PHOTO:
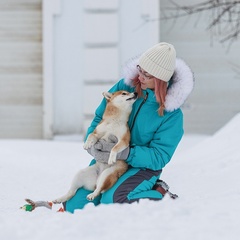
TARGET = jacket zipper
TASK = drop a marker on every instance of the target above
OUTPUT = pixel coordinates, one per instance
(144, 100)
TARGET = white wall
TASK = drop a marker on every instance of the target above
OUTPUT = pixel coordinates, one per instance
(139, 27)
(68, 68)
(92, 40)
(123, 34)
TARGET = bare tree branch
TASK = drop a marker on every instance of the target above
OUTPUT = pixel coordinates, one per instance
(225, 16)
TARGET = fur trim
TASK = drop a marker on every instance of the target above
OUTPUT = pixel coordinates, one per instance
(129, 70)
(182, 82)
(182, 86)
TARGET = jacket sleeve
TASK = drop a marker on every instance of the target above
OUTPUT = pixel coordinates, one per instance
(160, 150)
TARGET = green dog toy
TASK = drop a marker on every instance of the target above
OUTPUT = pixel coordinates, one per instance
(32, 205)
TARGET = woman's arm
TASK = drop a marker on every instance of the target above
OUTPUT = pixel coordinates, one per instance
(161, 148)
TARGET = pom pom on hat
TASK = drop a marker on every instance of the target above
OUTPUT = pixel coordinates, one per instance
(159, 61)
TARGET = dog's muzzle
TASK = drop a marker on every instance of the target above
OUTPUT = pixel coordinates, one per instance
(134, 97)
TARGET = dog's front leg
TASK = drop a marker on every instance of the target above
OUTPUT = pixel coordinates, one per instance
(120, 146)
(112, 157)
(91, 140)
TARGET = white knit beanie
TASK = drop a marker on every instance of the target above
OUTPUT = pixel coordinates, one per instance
(159, 61)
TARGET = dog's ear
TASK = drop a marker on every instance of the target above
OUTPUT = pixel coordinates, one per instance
(107, 95)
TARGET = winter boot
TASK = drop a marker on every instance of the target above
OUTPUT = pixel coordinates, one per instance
(163, 188)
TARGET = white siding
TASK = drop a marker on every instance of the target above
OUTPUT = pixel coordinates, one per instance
(20, 69)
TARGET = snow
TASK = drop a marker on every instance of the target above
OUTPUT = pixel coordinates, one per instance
(204, 172)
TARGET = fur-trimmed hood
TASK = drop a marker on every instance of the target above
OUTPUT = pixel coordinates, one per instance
(181, 83)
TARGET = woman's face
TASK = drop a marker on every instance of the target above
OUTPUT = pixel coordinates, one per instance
(146, 80)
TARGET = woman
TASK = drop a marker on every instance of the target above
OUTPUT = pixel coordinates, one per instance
(163, 83)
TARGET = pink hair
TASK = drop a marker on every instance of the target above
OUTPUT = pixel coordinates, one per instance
(160, 91)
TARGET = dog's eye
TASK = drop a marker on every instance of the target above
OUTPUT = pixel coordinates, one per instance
(124, 93)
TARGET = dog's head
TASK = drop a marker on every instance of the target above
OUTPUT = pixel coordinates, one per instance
(121, 98)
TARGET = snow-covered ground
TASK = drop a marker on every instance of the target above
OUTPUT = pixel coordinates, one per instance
(204, 172)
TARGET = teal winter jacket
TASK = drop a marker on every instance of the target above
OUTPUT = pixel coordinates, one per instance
(154, 138)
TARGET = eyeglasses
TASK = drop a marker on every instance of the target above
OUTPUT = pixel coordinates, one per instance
(145, 75)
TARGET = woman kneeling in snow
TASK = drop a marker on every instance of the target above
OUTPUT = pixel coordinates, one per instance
(163, 83)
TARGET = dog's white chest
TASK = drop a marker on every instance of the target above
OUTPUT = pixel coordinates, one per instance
(115, 127)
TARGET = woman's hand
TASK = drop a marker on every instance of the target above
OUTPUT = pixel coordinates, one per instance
(101, 150)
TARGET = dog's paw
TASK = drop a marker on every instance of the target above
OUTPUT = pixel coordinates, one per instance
(88, 144)
(91, 196)
(111, 160)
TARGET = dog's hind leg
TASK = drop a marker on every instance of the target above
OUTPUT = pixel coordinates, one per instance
(108, 178)
(86, 178)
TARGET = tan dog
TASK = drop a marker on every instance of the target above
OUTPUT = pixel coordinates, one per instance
(102, 176)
